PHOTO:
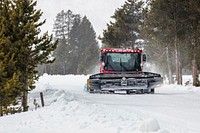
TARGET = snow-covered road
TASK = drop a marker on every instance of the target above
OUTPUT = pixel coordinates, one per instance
(172, 109)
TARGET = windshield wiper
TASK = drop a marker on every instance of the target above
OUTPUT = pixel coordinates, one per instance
(122, 66)
(108, 65)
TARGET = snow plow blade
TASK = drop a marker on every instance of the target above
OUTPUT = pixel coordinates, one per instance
(124, 83)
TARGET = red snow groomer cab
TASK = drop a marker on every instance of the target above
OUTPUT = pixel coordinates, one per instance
(121, 72)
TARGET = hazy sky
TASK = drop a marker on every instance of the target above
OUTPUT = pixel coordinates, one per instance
(97, 11)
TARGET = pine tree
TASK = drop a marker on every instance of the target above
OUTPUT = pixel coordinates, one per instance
(87, 48)
(157, 35)
(63, 24)
(72, 53)
(73, 56)
(124, 31)
(167, 24)
(62, 28)
(9, 75)
(193, 37)
(29, 47)
(9, 82)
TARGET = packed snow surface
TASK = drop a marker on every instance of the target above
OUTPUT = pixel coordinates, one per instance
(69, 109)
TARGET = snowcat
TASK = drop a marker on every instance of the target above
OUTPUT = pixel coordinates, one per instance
(121, 72)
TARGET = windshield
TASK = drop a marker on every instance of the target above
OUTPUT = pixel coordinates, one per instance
(122, 61)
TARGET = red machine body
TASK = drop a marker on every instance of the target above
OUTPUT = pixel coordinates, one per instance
(121, 71)
(123, 52)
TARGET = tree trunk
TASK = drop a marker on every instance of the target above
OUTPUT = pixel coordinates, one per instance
(178, 63)
(24, 101)
(169, 67)
(177, 49)
(180, 70)
(194, 71)
(1, 110)
(25, 94)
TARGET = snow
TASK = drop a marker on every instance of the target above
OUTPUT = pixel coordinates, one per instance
(68, 108)
(149, 125)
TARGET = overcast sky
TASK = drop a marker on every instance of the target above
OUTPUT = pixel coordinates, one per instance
(97, 11)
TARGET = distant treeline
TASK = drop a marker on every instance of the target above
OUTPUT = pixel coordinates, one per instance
(77, 51)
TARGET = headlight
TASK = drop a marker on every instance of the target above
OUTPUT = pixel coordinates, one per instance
(88, 83)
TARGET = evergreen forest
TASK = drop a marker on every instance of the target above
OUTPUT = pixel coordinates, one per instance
(167, 30)
(78, 49)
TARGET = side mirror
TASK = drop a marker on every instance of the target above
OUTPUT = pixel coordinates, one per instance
(102, 57)
(144, 57)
